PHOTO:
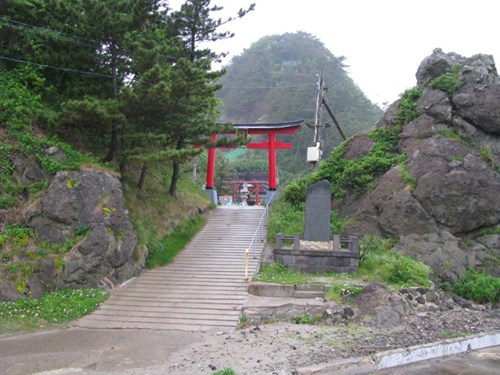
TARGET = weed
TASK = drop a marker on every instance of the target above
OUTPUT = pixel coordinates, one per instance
(478, 286)
(54, 308)
(407, 106)
(490, 231)
(486, 155)
(164, 251)
(226, 371)
(380, 262)
(72, 183)
(81, 229)
(286, 218)
(280, 274)
(410, 181)
(450, 134)
(339, 292)
(448, 82)
(450, 335)
(244, 321)
(304, 319)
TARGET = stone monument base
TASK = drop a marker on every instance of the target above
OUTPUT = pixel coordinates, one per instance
(340, 255)
(318, 261)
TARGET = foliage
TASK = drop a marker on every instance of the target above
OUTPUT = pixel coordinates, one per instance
(225, 371)
(448, 82)
(409, 180)
(407, 106)
(350, 176)
(164, 252)
(337, 223)
(491, 230)
(450, 134)
(380, 262)
(304, 319)
(54, 308)
(280, 274)
(340, 292)
(285, 218)
(479, 287)
(370, 244)
(275, 80)
(486, 154)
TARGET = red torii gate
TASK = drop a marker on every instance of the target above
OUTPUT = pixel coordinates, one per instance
(271, 129)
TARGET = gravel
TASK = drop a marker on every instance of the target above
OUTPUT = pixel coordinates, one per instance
(282, 347)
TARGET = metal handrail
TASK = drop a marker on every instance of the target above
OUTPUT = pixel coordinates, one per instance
(261, 227)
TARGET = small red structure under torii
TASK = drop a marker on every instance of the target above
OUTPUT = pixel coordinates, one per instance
(271, 129)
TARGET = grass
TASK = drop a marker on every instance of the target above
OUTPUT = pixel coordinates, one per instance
(156, 215)
(54, 308)
(165, 251)
(379, 262)
(340, 292)
(226, 371)
(280, 274)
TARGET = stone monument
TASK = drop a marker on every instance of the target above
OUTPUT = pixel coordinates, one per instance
(318, 207)
(318, 251)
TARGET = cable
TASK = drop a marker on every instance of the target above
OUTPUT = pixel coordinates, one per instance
(63, 39)
(52, 31)
(269, 86)
(56, 67)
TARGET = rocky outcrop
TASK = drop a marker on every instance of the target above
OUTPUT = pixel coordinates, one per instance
(449, 215)
(86, 206)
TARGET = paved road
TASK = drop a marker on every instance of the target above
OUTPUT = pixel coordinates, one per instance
(481, 362)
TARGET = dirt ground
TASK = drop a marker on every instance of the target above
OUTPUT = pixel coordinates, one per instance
(281, 348)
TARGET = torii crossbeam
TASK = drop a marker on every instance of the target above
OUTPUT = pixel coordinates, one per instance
(272, 129)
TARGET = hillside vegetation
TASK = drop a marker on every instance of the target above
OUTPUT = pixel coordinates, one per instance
(275, 79)
(426, 178)
(92, 115)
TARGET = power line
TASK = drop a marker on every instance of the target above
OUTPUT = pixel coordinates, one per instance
(63, 39)
(270, 86)
(56, 67)
(49, 30)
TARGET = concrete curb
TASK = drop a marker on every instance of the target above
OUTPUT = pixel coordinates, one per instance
(399, 357)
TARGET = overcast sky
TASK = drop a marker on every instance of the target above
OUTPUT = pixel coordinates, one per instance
(383, 41)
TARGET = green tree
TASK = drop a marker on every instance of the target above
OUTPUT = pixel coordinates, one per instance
(276, 80)
(194, 113)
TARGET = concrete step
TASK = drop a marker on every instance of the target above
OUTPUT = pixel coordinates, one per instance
(308, 294)
(203, 289)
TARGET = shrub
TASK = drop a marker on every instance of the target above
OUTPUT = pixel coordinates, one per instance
(406, 271)
(448, 82)
(381, 262)
(478, 287)
(285, 217)
(407, 106)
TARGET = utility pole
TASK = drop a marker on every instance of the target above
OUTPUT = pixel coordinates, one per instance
(319, 102)
(314, 152)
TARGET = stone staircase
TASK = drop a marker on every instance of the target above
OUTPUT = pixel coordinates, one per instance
(203, 289)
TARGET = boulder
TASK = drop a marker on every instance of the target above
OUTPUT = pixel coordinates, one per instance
(452, 153)
(381, 308)
(88, 204)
